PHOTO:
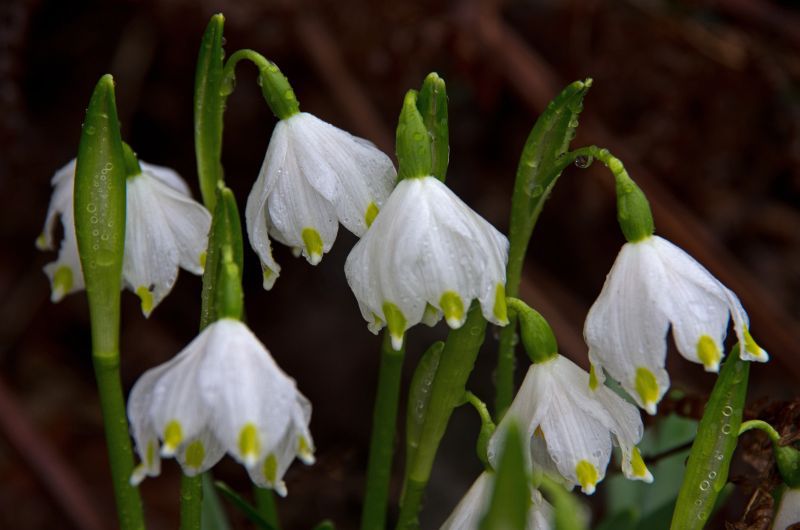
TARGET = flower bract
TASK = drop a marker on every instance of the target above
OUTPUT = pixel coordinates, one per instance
(427, 254)
(164, 230)
(653, 285)
(572, 426)
(314, 176)
(473, 506)
(222, 393)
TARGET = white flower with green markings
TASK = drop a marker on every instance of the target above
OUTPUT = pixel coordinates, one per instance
(572, 423)
(314, 176)
(652, 286)
(222, 393)
(427, 254)
(473, 506)
(164, 230)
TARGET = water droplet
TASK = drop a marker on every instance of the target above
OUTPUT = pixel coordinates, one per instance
(726, 429)
(91, 207)
(727, 410)
(701, 516)
(705, 485)
(536, 191)
(417, 136)
(288, 95)
(109, 166)
(712, 475)
(90, 130)
(105, 257)
(584, 161)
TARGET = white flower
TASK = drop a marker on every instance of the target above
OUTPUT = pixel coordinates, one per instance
(426, 254)
(788, 513)
(164, 229)
(222, 393)
(313, 177)
(572, 426)
(652, 285)
(473, 506)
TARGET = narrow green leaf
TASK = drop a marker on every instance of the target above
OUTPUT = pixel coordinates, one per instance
(100, 213)
(419, 395)
(214, 516)
(432, 105)
(226, 232)
(325, 525)
(624, 520)
(511, 497)
(208, 109)
(243, 506)
(712, 450)
(568, 512)
(413, 142)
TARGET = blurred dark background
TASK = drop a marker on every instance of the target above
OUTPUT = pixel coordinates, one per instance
(700, 99)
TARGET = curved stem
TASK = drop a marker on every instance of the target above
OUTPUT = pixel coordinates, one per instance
(761, 425)
(447, 392)
(381, 449)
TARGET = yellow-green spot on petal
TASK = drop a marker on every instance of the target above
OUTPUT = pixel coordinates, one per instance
(587, 476)
(453, 309)
(637, 463)
(304, 450)
(249, 445)
(202, 259)
(195, 453)
(173, 435)
(647, 388)
(708, 353)
(371, 214)
(750, 345)
(500, 310)
(431, 315)
(147, 299)
(593, 382)
(271, 468)
(150, 454)
(62, 282)
(396, 322)
(313, 243)
(41, 242)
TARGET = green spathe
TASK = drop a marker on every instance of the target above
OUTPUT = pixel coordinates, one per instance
(413, 143)
(432, 105)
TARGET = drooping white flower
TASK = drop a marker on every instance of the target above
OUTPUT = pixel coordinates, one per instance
(654, 285)
(164, 229)
(572, 424)
(222, 393)
(427, 253)
(474, 505)
(314, 176)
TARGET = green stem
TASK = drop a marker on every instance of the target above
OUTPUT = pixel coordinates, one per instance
(770, 431)
(112, 403)
(265, 503)
(384, 423)
(191, 502)
(275, 86)
(447, 392)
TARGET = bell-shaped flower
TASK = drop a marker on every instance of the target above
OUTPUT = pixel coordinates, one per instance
(653, 285)
(473, 506)
(427, 253)
(572, 423)
(314, 176)
(222, 393)
(788, 514)
(164, 229)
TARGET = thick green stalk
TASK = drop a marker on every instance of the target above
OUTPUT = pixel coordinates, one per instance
(100, 228)
(191, 502)
(381, 449)
(448, 390)
(537, 173)
(265, 504)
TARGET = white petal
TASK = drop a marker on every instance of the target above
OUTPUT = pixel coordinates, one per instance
(347, 171)
(295, 207)
(626, 327)
(63, 183)
(789, 510)
(246, 390)
(541, 514)
(472, 507)
(166, 176)
(200, 453)
(256, 215)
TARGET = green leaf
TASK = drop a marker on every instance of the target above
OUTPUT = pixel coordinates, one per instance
(325, 525)
(419, 395)
(432, 105)
(511, 496)
(569, 514)
(413, 143)
(214, 516)
(226, 232)
(624, 520)
(712, 450)
(100, 213)
(209, 105)
(243, 506)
